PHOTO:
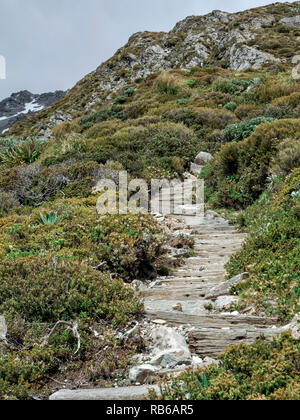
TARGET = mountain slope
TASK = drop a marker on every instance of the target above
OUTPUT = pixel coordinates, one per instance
(265, 37)
(150, 110)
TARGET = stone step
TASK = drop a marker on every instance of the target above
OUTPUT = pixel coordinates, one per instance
(179, 293)
(195, 281)
(131, 393)
(189, 306)
(211, 342)
(214, 321)
(200, 274)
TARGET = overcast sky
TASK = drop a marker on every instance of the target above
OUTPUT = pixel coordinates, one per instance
(51, 44)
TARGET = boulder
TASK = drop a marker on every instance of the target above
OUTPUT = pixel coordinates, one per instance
(244, 57)
(223, 289)
(3, 329)
(203, 158)
(169, 348)
(210, 361)
(291, 22)
(170, 359)
(196, 169)
(140, 374)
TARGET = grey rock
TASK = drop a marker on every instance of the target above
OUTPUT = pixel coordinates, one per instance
(291, 22)
(196, 169)
(132, 393)
(197, 361)
(224, 302)
(224, 288)
(203, 158)
(294, 327)
(139, 285)
(141, 373)
(237, 334)
(159, 322)
(244, 57)
(3, 329)
(210, 361)
(169, 348)
(171, 359)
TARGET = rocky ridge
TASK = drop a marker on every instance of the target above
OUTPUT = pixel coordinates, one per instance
(228, 40)
(23, 104)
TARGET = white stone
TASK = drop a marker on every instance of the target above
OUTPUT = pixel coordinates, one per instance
(224, 302)
(203, 158)
(3, 329)
(141, 373)
(196, 169)
(169, 348)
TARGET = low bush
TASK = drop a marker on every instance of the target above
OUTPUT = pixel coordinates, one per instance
(260, 371)
(130, 246)
(100, 116)
(197, 118)
(238, 175)
(236, 132)
(287, 157)
(231, 86)
(271, 252)
(50, 290)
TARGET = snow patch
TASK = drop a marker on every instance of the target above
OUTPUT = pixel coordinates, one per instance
(32, 106)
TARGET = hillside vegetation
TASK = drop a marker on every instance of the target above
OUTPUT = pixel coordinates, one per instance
(61, 261)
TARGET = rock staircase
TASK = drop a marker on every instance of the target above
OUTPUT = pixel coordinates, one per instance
(210, 333)
(180, 300)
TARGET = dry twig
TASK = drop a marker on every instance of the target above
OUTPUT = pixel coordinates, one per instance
(73, 326)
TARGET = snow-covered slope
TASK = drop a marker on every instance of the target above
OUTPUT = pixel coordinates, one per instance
(19, 105)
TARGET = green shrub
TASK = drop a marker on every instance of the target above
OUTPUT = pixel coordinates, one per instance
(182, 101)
(129, 92)
(130, 246)
(197, 118)
(48, 291)
(287, 157)
(230, 106)
(119, 100)
(190, 83)
(260, 371)
(236, 132)
(238, 175)
(101, 116)
(231, 86)
(271, 252)
(8, 202)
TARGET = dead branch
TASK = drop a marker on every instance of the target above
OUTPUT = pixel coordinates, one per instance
(129, 333)
(100, 265)
(73, 326)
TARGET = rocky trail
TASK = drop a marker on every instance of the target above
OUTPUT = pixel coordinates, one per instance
(188, 319)
(183, 299)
